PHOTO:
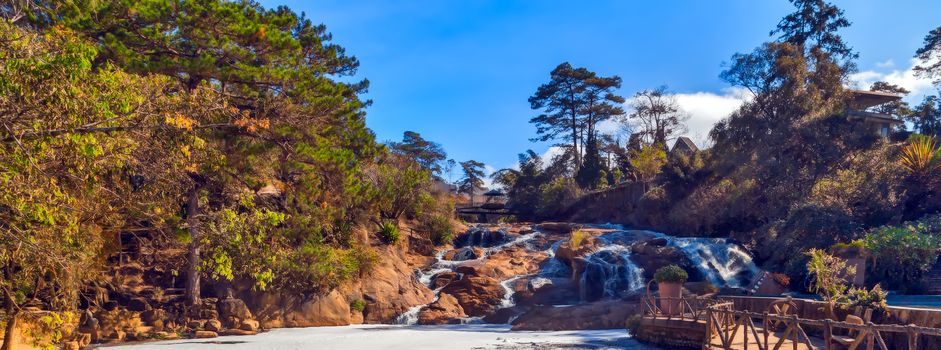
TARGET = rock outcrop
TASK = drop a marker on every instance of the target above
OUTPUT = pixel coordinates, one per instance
(597, 315)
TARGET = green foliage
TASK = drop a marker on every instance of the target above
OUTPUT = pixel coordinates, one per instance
(389, 233)
(399, 184)
(874, 298)
(576, 238)
(429, 155)
(670, 274)
(855, 248)
(901, 254)
(829, 276)
(921, 156)
(438, 227)
(315, 267)
(649, 161)
(556, 196)
(358, 305)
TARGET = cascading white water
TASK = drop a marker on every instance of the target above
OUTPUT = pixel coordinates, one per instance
(613, 267)
(410, 316)
(609, 271)
(722, 263)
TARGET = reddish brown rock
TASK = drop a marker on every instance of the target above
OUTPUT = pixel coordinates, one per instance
(205, 334)
(446, 310)
(442, 279)
(477, 295)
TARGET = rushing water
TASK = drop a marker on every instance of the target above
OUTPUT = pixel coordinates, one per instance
(609, 272)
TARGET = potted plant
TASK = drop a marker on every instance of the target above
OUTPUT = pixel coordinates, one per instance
(670, 281)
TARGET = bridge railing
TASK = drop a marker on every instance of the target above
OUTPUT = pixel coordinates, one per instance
(724, 323)
(687, 308)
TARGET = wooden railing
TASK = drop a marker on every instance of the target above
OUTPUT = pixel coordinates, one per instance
(724, 323)
(691, 308)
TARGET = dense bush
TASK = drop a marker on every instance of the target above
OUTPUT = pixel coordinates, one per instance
(557, 196)
(670, 274)
(358, 305)
(438, 228)
(315, 267)
(901, 254)
(389, 233)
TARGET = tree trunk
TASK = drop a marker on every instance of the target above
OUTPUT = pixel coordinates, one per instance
(577, 155)
(9, 334)
(192, 258)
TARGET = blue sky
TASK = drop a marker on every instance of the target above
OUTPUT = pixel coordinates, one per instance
(460, 72)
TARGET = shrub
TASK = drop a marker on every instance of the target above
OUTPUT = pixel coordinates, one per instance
(577, 238)
(901, 254)
(874, 298)
(829, 277)
(315, 267)
(670, 274)
(556, 196)
(389, 233)
(920, 155)
(438, 228)
(358, 305)
(854, 248)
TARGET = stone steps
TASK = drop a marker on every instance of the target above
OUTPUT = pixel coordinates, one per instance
(932, 279)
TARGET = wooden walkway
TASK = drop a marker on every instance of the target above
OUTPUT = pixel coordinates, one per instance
(698, 323)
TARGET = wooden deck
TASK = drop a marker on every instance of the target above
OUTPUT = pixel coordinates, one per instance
(746, 340)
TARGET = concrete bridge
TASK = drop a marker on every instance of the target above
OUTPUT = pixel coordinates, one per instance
(798, 324)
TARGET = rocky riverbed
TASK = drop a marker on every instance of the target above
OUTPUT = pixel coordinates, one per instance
(560, 276)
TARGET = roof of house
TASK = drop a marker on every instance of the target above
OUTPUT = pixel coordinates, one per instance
(685, 144)
(862, 99)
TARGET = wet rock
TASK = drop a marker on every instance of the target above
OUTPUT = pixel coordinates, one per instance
(597, 315)
(442, 279)
(462, 254)
(446, 310)
(481, 237)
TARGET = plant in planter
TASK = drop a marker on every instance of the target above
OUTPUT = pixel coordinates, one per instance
(670, 281)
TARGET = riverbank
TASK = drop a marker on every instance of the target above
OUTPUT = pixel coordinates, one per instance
(478, 336)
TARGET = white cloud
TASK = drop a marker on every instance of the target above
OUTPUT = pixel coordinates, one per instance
(706, 108)
(889, 63)
(907, 79)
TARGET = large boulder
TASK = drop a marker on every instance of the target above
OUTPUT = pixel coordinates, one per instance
(477, 295)
(232, 311)
(445, 310)
(442, 279)
(462, 254)
(598, 315)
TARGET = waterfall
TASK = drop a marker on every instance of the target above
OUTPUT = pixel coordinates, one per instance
(612, 268)
(722, 263)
